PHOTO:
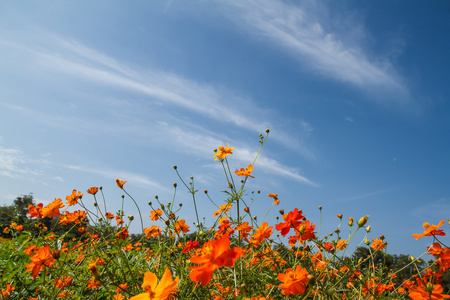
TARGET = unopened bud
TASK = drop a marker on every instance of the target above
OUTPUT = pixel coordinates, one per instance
(180, 204)
(247, 209)
(100, 188)
(363, 221)
(267, 130)
(281, 211)
(339, 216)
(350, 221)
(131, 217)
(205, 191)
(175, 185)
(95, 204)
(156, 197)
(150, 203)
(175, 167)
(167, 222)
(368, 228)
(320, 207)
(367, 242)
(310, 279)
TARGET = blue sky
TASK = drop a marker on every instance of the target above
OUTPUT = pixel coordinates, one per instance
(355, 94)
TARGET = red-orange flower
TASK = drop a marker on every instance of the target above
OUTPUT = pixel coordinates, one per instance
(430, 230)
(158, 291)
(52, 210)
(294, 281)
(291, 220)
(247, 172)
(43, 258)
(191, 245)
(120, 183)
(215, 254)
(222, 152)
(35, 211)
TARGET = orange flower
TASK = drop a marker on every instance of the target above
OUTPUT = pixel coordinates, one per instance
(294, 281)
(93, 284)
(430, 230)
(378, 244)
(215, 254)
(93, 190)
(43, 258)
(63, 282)
(341, 245)
(422, 292)
(247, 172)
(155, 214)
(73, 198)
(19, 227)
(276, 201)
(222, 152)
(261, 233)
(120, 183)
(154, 231)
(158, 291)
(121, 287)
(52, 210)
(225, 208)
(181, 226)
(7, 291)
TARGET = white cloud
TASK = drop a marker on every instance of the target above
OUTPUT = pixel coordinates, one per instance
(12, 163)
(299, 30)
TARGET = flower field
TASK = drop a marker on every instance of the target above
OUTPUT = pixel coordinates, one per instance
(94, 256)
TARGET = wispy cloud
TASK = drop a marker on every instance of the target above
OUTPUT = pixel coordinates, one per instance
(300, 30)
(69, 57)
(13, 164)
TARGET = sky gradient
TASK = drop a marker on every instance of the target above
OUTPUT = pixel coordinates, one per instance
(355, 94)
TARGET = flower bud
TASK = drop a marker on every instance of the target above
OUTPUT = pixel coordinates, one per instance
(281, 211)
(320, 207)
(367, 242)
(131, 217)
(150, 203)
(175, 167)
(350, 221)
(175, 185)
(205, 191)
(247, 209)
(368, 228)
(339, 216)
(363, 221)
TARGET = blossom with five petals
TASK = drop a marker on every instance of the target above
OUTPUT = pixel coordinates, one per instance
(215, 254)
(222, 152)
(294, 282)
(247, 172)
(43, 258)
(430, 230)
(158, 291)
